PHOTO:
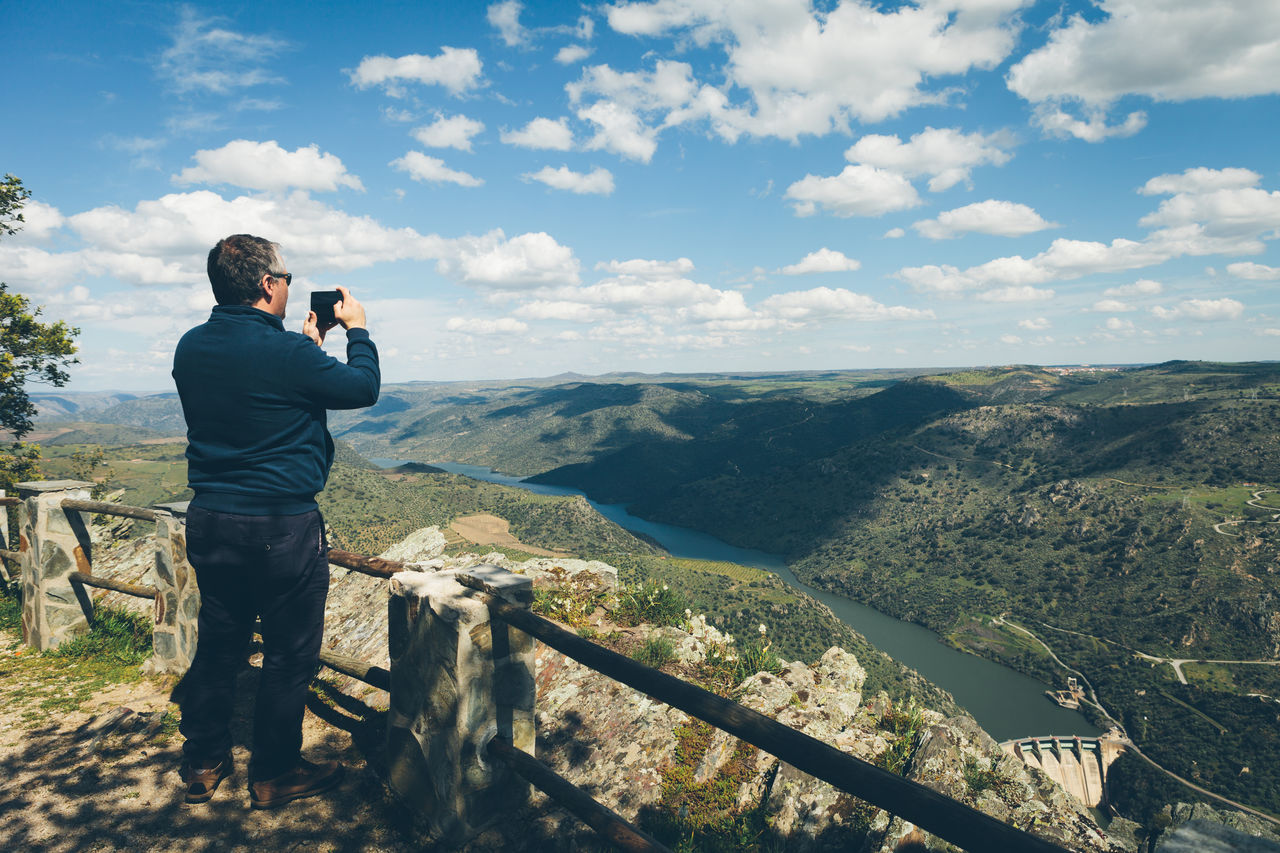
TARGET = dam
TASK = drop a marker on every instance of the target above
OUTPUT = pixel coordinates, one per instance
(1078, 764)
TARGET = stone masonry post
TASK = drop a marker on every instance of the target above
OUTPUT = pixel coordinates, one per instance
(457, 680)
(173, 639)
(53, 544)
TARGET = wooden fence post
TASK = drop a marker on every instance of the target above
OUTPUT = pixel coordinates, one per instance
(53, 543)
(173, 639)
(458, 680)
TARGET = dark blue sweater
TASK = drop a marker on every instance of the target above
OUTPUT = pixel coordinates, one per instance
(254, 397)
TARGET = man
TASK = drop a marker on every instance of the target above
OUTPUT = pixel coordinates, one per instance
(255, 399)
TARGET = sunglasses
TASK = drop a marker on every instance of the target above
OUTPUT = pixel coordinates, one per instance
(287, 276)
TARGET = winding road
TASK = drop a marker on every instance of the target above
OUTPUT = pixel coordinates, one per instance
(1253, 502)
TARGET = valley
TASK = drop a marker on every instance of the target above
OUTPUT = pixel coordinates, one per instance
(1126, 513)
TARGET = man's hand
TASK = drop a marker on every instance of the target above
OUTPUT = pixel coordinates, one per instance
(349, 312)
(312, 330)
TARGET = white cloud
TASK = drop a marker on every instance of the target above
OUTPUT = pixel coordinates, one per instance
(449, 132)
(825, 303)
(1202, 310)
(620, 130)
(206, 57)
(1201, 180)
(541, 133)
(810, 71)
(505, 18)
(40, 222)
(598, 181)
(165, 241)
(1141, 287)
(1035, 324)
(528, 260)
(433, 170)
(1010, 339)
(1271, 332)
(823, 260)
(572, 53)
(1211, 212)
(573, 312)
(856, 191)
(648, 269)
(1254, 272)
(945, 154)
(1225, 203)
(1001, 218)
(397, 115)
(476, 326)
(1092, 128)
(1115, 324)
(267, 166)
(1015, 293)
(895, 234)
(456, 69)
(1190, 49)
(1111, 306)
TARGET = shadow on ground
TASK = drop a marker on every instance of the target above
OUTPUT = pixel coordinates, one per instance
(112, 784)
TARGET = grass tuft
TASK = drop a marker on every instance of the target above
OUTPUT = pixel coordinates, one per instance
(116, 636)
(655, 652)
(651, 603)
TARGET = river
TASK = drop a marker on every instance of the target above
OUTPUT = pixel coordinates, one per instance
(1005, 702)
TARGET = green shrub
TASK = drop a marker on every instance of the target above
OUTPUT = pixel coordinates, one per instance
(656, 652)
(754, 656)
(571, 599)
(977, 777)
(651, 603)
(903, 723)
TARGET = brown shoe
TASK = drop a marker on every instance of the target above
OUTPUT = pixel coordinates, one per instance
(305, 780)
(203, 781)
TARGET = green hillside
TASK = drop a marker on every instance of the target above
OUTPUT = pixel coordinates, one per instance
(370, 508)
(1085, 500)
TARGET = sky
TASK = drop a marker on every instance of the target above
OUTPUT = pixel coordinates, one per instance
(522, 189)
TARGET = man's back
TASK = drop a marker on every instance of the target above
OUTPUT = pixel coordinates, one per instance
(254, 397)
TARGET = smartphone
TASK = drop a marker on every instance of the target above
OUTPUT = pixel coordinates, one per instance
(322, 302)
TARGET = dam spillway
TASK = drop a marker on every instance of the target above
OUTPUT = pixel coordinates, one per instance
(1078, 764)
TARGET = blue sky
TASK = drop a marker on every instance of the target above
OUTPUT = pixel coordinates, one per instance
(522, 189)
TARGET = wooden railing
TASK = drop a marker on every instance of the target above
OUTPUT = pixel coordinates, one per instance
(946, 818)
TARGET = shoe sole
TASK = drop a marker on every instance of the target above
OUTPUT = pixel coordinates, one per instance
(276, 802)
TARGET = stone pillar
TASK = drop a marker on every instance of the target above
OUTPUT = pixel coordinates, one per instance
(53, 544)
(457, 680)
(173, 639)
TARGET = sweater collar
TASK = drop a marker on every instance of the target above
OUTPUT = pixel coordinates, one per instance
(247, 312)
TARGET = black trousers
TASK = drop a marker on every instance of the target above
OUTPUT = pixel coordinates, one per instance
(274, 568)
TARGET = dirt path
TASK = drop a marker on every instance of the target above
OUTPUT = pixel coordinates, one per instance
(485, 529)
(96, 779)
